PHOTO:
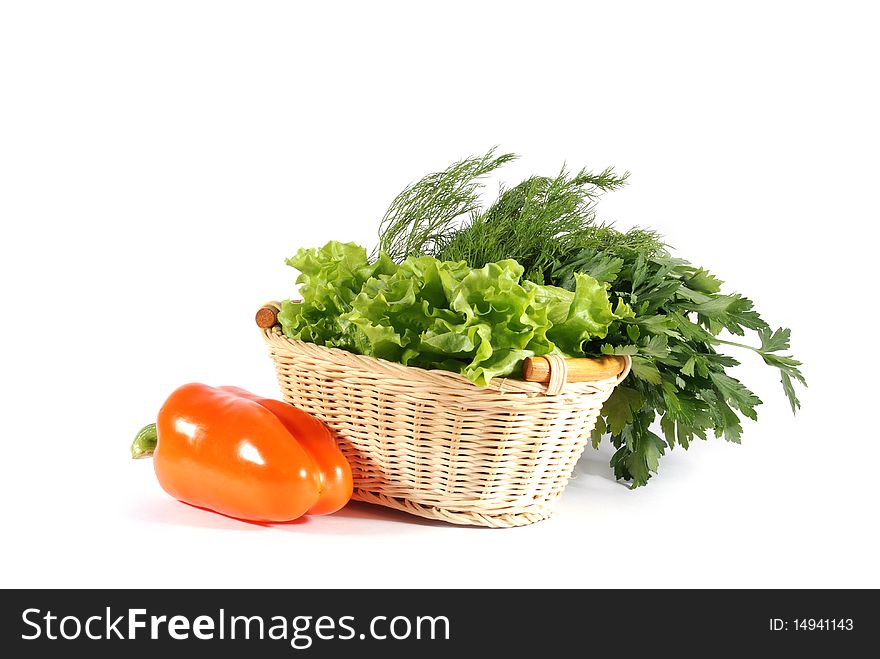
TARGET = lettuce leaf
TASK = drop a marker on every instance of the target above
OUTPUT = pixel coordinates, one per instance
(481, 322)
(331, 277)
(576, 317)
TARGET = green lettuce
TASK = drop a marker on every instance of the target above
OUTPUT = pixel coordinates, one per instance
(481, 322)
(330, 279)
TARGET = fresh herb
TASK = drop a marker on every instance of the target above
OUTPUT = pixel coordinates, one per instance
(426, 210)
(535, 222)
(670, 315)
(678, 377)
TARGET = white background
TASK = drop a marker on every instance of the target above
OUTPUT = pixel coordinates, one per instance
(159, 160)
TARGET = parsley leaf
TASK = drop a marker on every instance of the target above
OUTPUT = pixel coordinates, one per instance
(618, 409)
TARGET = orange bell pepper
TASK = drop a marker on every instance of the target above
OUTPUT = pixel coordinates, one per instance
(245, 456)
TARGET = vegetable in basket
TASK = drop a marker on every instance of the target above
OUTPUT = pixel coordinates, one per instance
(669, 314)
(244, 456)
(482, 322)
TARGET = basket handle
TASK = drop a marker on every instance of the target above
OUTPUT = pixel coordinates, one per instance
(267, 315)
(546, 369)
(581, 369)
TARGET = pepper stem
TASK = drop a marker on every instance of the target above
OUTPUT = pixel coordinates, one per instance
(144, 442)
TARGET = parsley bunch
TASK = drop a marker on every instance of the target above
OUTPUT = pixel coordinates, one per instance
(676, 314)
(673, 314)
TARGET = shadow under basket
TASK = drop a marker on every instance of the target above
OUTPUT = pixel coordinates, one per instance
(431, 443)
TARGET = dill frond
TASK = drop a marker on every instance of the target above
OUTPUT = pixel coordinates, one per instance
(541, 222)
(605, 238)
(534, 222)
(427, 210)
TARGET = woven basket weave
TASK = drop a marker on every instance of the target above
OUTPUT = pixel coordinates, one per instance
(431, 443)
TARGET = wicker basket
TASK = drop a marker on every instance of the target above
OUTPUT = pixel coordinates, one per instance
(431, 443)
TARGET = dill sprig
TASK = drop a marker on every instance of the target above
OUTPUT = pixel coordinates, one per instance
(426, 211)
(535, 222)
